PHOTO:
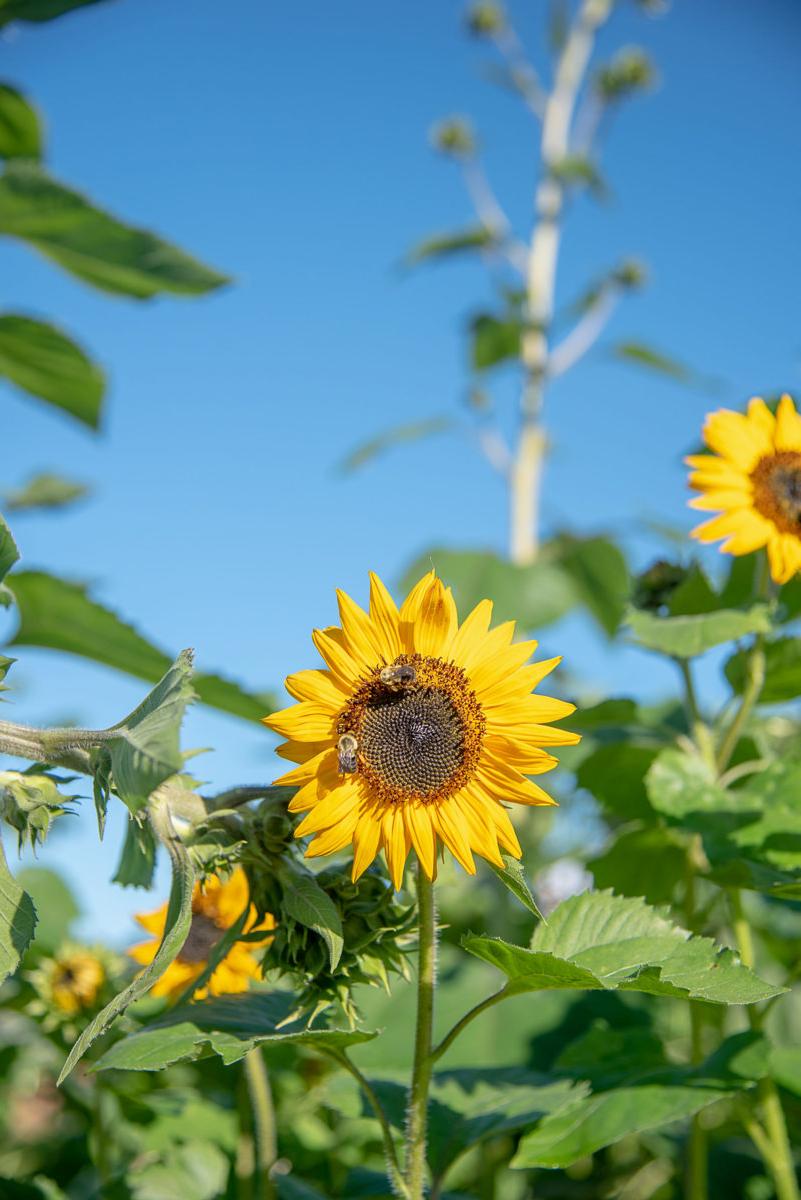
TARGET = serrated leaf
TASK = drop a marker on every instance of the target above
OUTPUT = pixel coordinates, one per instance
(468, 1106)
(176, 928)
(91, 244)
(17, 920)
(44, 362)
(534, 596)
(602, 941)
(45, 491)
(401, 435)
(138, 857)
(513, 877)
(449, 245)
(60, 615)
(37, 10)
(306, 902)
(20, 130)
(685, 637)
(229, 1026)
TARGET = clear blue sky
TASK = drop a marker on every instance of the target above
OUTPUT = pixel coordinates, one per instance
(286, 144)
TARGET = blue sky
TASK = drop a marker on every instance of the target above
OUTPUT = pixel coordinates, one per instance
(286, 145)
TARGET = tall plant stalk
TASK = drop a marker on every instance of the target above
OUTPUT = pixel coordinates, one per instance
(417, 1116)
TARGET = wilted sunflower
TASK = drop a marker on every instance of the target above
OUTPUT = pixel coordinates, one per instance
(753, 480)
(420, 730)
(216, 906)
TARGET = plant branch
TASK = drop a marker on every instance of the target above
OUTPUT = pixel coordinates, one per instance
(584, 334)
(68, 748)
(393, 1166)
(462, 1024)
(754, 682)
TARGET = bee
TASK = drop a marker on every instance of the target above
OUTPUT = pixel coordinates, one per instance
(346, 750)
(398, 676)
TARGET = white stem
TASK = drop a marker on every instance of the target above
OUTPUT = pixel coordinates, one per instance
(584, 334)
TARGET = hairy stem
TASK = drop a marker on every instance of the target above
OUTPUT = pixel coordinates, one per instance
(62, 747)
(263, 1113)
(417, 1116)
(697, 1149)
(462, 1024)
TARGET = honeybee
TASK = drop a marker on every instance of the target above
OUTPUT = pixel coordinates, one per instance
(398, 676)
(346, 750)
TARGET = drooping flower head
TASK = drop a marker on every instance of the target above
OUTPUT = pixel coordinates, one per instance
(418, 732)
(73, 984)
(753, 480)
(216, 906)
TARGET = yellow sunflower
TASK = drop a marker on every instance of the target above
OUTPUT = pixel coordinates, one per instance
(74, 979)
(753, 481)
(216, 906)
(420, 731)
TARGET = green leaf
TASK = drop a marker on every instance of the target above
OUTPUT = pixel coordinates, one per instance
(494, 341)
(44, 362)
(534, 596)
(450, 245)
(56, 906)
(602, 941)
(785, 1067)
(782, 671)
(679, 783)
(513, 877)
(176, 928)
(138, 858)
(468, 1106)
(20, 130)
(190, 1170)
(9, 554)
(91, 244)
(684, 637)
(694, 595)
(642, 862)
(37, 10)
(601, 577)
(17, 920)
(641, 355)
(229, 1026)
(615, 774)
(45, 491)
(61, 616)
(144, 748)
(401, 435)
(307, 903)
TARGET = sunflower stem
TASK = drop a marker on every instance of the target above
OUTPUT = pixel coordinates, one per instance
(697, 1149)
(417, 1114)
(263, 1114)
(754, 682)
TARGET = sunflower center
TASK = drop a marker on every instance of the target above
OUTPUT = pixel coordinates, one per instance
(202, 938)
(417, 726)
(777, 489)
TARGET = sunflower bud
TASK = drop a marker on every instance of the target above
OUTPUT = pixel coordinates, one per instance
(655, 586)
(454, 138)
(485, 20)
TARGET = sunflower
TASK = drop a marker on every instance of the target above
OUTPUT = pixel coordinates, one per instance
(216, 906)
(418, 732)
(74, 978)
(753, 481)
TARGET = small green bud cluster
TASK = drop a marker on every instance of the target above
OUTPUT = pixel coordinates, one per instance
(485, 19)
(29, 802)
(454, 137)
(630, 71)
(655, 586)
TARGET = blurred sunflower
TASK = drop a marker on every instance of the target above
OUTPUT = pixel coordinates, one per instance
(71, 980)
(753, 481)
(418, 732)
(216, 906)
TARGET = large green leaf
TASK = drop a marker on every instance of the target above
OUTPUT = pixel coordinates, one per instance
(642, 862)
(228, 1026)
(66, 227)
(449, 245)
(44, 362)
(20, 131)
(401, 435)
(782, 670)
(60, 616)
(176, 928)
(37, 10)
(602, 941)
(17, 920)
(533, 596)
(468, 1106)
(601, 577)
(614, 773)
(307, 903)
(687, 636)
(45, 491)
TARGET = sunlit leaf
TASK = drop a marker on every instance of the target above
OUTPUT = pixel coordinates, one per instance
(513, 877)
(685, 637)
(44, 362)
(228, 1026)
(96, 247)
(20, 130)
(400, 436)
(45, 491)
(60, 615)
